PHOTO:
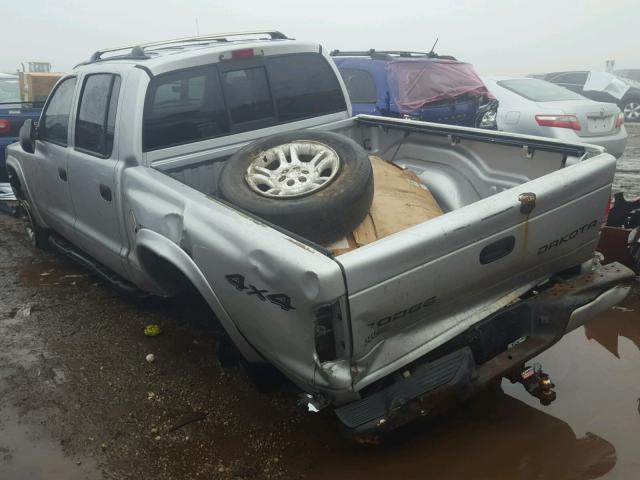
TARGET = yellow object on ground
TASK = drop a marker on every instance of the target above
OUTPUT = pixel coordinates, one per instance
(152, 330)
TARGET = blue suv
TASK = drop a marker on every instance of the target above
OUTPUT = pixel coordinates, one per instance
(416, 85)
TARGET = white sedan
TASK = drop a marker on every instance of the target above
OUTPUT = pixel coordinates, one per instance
(537, 107)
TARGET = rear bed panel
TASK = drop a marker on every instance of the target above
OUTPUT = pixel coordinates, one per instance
(413, 290)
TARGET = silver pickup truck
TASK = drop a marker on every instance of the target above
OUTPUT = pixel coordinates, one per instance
(122, 172)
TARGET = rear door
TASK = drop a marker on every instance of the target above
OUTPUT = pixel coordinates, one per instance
(51, 155)
(92, 164)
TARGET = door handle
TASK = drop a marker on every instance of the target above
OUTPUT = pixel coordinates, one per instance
(62, 174)
(498, 249)
(105, 192)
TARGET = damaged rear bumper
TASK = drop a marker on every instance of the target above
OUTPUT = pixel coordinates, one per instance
(495, 347)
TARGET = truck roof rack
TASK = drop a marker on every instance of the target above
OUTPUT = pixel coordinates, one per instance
(390, 54)
(138, 51)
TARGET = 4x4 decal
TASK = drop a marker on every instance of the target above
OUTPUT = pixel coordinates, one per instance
(280, 299)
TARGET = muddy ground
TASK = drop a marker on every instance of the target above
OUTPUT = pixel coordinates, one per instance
(79, 401)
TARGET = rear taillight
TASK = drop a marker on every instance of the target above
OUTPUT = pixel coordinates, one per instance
(329, 333)
(607, 211)
(241, 53)
(244, 53)
(5, 126)
(560, 121)
(620, 120)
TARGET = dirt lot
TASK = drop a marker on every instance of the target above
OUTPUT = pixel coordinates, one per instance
(79, 401)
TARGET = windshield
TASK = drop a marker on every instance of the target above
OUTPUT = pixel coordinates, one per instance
(539, 90)
(415, 83)
(9, 90)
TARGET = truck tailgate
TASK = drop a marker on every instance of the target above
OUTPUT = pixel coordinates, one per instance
(412, 291)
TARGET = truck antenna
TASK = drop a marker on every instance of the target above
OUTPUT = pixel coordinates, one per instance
(434, 45)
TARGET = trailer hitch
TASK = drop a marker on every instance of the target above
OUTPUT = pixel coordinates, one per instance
(537, 383)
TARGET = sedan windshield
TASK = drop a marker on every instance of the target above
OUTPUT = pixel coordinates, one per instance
(539, 90)
(9, 90)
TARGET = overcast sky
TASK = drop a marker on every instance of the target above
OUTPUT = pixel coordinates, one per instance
(498, 37)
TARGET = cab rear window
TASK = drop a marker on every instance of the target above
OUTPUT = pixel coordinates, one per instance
(304, 85)
(182, 107)
(247, 94)
(200, 103)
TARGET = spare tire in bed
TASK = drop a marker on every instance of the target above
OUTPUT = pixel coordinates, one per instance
(318, 185)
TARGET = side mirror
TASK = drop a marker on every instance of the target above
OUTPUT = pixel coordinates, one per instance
(28, 136)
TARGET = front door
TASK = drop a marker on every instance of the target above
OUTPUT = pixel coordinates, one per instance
(51, 154)
(92, 170)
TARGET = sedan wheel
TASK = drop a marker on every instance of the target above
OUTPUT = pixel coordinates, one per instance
(631, 111)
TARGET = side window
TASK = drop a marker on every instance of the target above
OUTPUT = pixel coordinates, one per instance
(184, 106)
(304, 85)
(95, 126)
(54, 125)
(360, 85)
(247, 94)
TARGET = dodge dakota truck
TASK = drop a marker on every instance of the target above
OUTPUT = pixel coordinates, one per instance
(218, 162)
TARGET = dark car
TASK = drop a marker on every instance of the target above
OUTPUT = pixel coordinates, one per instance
(13, 113)
(416, 85)
(630, 74)
(601, 87)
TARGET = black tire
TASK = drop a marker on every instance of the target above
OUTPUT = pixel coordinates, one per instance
(323, 215)
(634, 252)
(38, 236)
(630, 107)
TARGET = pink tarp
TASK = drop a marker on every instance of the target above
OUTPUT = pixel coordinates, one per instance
(414, 83)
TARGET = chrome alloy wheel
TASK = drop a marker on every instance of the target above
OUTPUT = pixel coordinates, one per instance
(293, 169)
(632, 111)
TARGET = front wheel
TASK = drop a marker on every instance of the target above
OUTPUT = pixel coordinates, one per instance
(38, 236)
(631, 110)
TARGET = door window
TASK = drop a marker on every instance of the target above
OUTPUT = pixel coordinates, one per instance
(95, 126)
(54, 125)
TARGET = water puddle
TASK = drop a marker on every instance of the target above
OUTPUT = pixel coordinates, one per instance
(26, 454)
(57, 272)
